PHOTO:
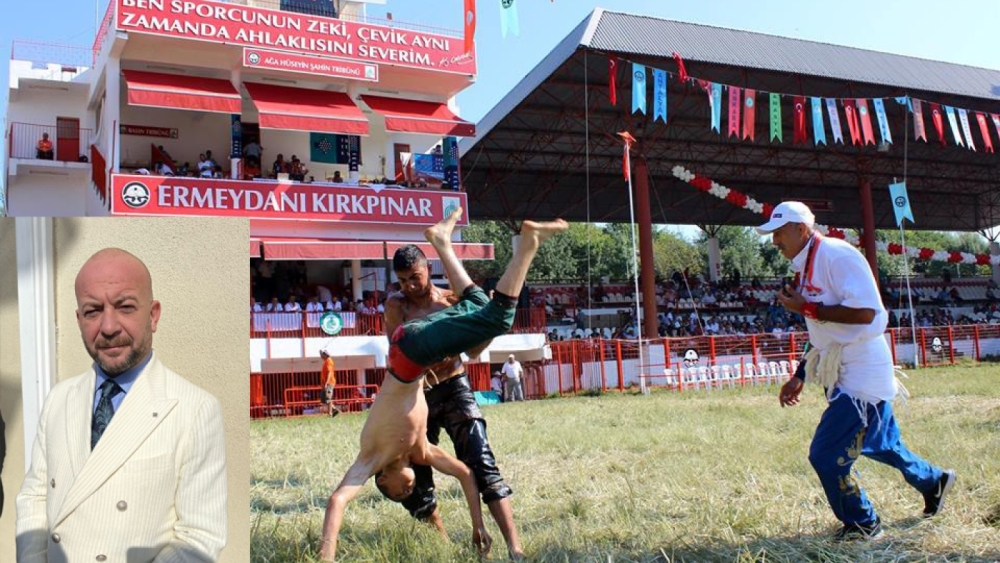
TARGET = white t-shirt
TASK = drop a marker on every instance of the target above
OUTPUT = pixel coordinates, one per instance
(512, 370)
(840, 276)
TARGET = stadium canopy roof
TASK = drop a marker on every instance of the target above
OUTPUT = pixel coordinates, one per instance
(549, 148)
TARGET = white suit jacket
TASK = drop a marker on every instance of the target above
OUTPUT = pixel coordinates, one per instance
(154, 488)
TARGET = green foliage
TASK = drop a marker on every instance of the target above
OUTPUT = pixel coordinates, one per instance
(742, 249)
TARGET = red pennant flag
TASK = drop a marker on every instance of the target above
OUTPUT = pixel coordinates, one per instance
(996, 122)
(852, 121)
(799, 119)
(938, 120)
(919, 131)
(629, 139)
(735, 102)
(749, 112)
(470, 25)
(612, 86)
(866, 121)
(682, 73)
(981, 118)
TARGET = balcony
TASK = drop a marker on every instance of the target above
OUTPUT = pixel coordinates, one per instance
(70, 144)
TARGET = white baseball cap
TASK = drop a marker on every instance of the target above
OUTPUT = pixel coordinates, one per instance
(787, 212)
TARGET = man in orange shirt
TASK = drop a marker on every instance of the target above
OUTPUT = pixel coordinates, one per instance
(329, 377)
(44, 149)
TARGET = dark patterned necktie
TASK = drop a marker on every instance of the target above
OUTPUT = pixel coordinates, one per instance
(105, 410)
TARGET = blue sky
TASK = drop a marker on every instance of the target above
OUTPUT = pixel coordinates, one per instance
(959, 31)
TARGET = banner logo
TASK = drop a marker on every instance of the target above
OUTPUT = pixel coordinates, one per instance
(253, 58)
(331, 323)
(135, 195)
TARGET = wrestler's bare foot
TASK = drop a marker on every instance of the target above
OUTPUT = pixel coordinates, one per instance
(517, 555)
(441, 232)
(540, 231)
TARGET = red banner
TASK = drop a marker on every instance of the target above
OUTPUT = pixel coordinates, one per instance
(799, 120)
(749, 112)
(866, 121)
(981, 118)
(176, 196)
(852, 121)
(234, 24)
(735, 102)
(612, 86)
(291, 62)
(938, 120)
(144, 131)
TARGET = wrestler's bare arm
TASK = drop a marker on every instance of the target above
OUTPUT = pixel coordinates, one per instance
(360, 471)
(449, 465)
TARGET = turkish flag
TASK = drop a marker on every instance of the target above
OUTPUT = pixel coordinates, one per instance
(749, 112)
(799, 119)
(612, 86)
(470, 25)
(938, 121)
(852, 121)
(866, 121)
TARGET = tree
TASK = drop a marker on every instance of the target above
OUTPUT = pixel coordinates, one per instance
(671, 252)
(742, 249)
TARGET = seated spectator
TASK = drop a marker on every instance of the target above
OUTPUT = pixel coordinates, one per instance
(44, 149)
(211, 160)
(293, 305)
(163, 169)
(184, 169)
(255, 306)
(274, 306)
(314, 306)
(337, 178)
(205, 168)
(279, 166)
(955, 296)
(297, 170)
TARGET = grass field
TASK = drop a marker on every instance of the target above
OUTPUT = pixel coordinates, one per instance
(699, 476)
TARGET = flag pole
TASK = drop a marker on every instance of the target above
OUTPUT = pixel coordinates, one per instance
(635, 265)
(909, 295)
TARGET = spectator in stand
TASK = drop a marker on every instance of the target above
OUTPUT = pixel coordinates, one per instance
(297, 171)
(252, 152)
(293, 305)
(184, 170)
(323, 293)
(337, 178)
(163, 169)
(205, 168)
(275, 306)
(314, 306)
(279, 166)
(44, 149)
(255, 306)
(211, 160)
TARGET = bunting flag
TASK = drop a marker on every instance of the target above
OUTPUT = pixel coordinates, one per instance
(735, 103)
(716, 94)
(628, 139)
(835, 130)
(938, 121)
(905, 101)
(799, 119)
(963, 118)
(985, 131)
(866, 121)
(750, 113)
(638, 88)
(900, 203)
(819, 130)
(470, 25)
(919, 130)
(953, 123)
(682, 73)
(612, 85)
(883, 123)
(996, 122)
(775, 117)
(508, 18)
(850, 114)
(659, 95)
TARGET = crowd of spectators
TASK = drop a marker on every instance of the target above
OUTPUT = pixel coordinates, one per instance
(281, 287)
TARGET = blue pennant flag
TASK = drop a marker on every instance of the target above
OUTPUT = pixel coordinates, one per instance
(835, 130)
(905, 101)
(638, 88)
(659, 94)
(883, 123)
(508, 18)
(819, 130)
(900, 203)
(716, 106)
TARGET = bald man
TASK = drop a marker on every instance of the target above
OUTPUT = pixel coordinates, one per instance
(129, 458)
